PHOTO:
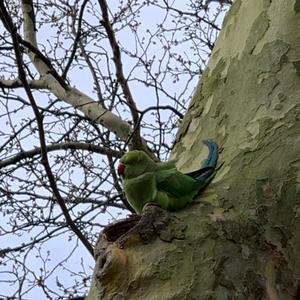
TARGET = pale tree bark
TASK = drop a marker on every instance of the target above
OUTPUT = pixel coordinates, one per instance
(242, 239)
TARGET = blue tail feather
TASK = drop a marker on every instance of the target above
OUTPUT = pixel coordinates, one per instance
(208, 167)
(213, 155)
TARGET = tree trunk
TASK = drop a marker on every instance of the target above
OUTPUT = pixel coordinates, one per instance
(242, 239)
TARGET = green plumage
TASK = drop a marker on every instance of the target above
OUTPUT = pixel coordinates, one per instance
(146, 181)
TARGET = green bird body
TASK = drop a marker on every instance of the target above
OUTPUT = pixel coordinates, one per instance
(146, 181)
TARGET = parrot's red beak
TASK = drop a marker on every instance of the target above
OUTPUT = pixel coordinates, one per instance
(121, 169)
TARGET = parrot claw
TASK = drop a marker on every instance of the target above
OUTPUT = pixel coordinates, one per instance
(155, 221)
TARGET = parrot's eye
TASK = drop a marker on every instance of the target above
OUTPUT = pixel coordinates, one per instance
(121, 169)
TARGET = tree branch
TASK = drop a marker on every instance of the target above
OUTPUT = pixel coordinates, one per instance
(59, 146)
(76, 41)
(16, 83)
(163, 107)
(136, 137)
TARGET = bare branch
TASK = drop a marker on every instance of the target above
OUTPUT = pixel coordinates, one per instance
(136, 136)
(76, 41)
(60, 146)
(193, 14)
(16, 83)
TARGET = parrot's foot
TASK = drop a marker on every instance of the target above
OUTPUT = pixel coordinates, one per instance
(154, 221)
(150, 204)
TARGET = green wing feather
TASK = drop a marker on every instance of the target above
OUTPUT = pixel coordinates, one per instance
(166, 165)
(174, 189)
(176, 183)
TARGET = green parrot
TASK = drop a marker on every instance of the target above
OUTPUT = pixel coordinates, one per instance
(146, 181)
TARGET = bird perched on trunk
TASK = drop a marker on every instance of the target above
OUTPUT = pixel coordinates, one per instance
(146, 181)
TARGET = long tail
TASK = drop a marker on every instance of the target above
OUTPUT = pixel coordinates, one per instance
(208, 167)
(213, 155)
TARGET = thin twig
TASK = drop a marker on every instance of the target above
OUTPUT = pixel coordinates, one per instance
(142, 113)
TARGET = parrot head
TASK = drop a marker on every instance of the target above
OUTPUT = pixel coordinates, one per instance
(135, 163)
